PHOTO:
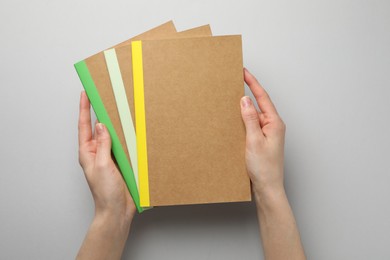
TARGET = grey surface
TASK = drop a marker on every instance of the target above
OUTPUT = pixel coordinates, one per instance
(326, 64)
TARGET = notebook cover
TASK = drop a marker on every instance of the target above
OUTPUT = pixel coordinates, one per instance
(190, 135)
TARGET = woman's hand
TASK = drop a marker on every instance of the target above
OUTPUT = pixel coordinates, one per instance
(109, 191)
(114, 207)
(265, 132)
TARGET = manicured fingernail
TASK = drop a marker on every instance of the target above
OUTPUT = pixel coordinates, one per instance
(100, 128)
(245, 102)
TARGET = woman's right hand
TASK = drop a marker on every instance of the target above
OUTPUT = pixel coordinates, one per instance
(265, 132)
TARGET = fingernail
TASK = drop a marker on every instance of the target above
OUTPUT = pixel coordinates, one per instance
(245, 102)
(100, 128)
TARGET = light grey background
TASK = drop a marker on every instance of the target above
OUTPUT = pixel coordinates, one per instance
(326, 64)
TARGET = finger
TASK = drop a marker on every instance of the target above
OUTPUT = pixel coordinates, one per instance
(85, 129)
(103, 151)
(262, 97)
(251, 119)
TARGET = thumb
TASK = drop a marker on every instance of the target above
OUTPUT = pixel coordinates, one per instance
(251, 118)
(103, 150)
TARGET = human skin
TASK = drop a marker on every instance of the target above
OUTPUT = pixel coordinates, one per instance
(115, 209)
(265, 133)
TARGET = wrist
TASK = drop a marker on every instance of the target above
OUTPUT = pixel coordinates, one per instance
(106, 237)
(120, 213)
(113, 219)
(269, 197)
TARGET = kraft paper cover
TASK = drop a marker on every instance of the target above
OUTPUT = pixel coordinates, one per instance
(194, 132)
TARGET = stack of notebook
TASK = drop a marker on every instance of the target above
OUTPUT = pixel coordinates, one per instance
(171, 102)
